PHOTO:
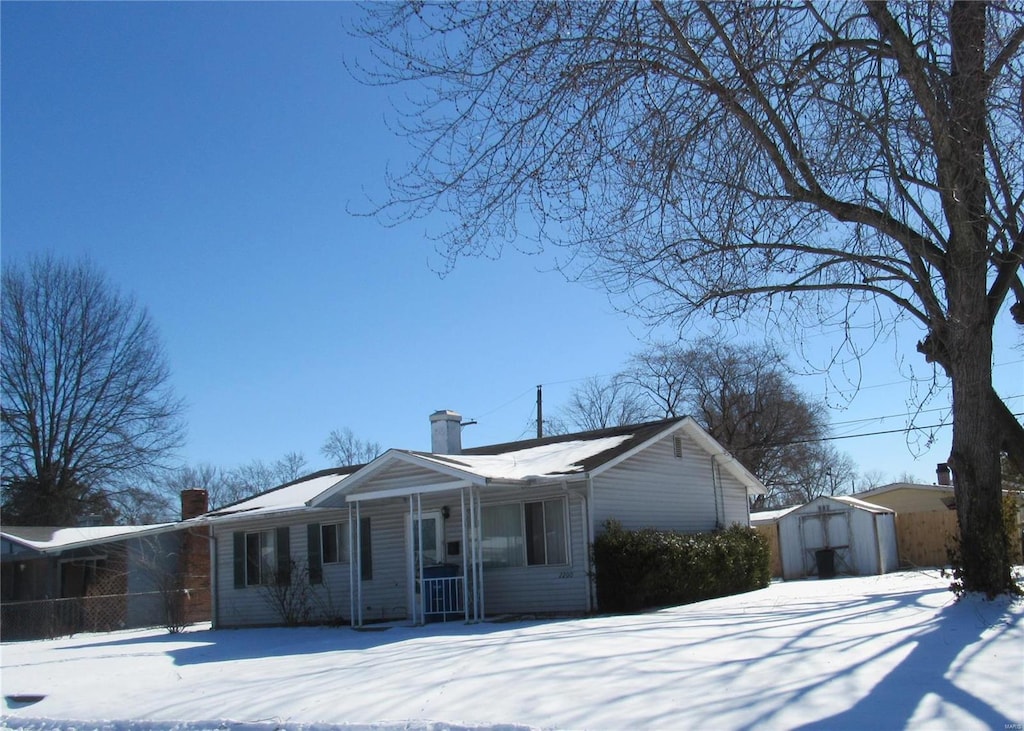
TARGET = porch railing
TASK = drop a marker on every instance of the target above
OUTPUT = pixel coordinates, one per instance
(444, 597)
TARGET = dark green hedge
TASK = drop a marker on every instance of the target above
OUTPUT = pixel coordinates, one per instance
(649, 568)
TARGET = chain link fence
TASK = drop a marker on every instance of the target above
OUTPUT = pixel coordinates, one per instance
(52, 618)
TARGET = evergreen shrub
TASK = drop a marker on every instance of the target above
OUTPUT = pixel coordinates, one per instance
(647, 568)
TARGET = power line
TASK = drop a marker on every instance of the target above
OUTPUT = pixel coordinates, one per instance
(905, 430)
(820, 396)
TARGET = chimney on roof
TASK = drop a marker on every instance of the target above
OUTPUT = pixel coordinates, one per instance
(446, 432)
(943, 474)
(194, 502)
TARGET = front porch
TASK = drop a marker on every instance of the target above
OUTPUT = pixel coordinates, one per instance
(441, 553)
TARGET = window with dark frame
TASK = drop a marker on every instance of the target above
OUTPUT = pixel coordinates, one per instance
(260, 558)
(334, 542)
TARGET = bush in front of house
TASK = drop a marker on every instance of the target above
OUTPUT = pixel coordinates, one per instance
(646, 568)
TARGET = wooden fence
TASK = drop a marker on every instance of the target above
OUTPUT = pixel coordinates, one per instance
(771, 533)
(923, 537)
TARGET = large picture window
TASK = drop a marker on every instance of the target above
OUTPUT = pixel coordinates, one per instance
(501, 529)
(532, 534)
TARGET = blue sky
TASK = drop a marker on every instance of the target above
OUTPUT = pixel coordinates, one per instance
(207, 156)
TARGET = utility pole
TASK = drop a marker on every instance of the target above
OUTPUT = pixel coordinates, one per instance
(540, 414)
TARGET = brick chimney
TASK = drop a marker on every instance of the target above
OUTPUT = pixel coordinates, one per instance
(943, 474)
(446, 432)
(194, 559)
(194, 502)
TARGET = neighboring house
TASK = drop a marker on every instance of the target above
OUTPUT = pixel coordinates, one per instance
(907, 497)
(837, 535)
(455, 533)
(926, 518)
(56, 581)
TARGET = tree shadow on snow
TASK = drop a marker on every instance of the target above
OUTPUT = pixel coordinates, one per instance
(247, 643)
(929, 669)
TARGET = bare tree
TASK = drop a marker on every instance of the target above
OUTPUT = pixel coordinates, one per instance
(599, 403)
(824, 472)
(805, 164)
(871, 479)
(203, 476)
(258, 476)
(346, 449)
(87, 403)
(743, 396)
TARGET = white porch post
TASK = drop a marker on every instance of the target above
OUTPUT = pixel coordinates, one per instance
(351, 571)
(472, 549)
(480, 552)
(411, 562)
(419, 546)
(465, 557)
(359, 564)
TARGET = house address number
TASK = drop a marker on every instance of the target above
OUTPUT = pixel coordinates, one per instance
(565, 575)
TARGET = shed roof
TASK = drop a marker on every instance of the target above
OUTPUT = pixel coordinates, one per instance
(844, 500)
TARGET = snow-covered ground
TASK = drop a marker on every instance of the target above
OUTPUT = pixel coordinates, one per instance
(850, 653)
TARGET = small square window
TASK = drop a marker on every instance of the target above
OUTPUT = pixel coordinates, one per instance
(334, 542)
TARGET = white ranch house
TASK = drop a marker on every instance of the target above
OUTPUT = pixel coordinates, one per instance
(463, 533)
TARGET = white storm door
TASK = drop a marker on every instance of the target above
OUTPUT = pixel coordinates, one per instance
(432, 525)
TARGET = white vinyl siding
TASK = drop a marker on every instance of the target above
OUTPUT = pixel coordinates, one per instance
(249, 605)
(671, 485)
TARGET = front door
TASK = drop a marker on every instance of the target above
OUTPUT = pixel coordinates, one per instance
(432, 525)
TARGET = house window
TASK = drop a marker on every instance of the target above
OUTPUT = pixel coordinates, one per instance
(545, 533)
(531, 534)
(501, 529)
(334, 542)
(260, 558)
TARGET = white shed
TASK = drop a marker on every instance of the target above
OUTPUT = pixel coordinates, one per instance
(837, 535)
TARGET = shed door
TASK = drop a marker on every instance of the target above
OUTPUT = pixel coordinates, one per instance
(826, 529)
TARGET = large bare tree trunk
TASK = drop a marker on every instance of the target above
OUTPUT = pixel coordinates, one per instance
(968, 340)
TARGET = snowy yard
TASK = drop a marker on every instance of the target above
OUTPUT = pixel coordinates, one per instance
(850, 653)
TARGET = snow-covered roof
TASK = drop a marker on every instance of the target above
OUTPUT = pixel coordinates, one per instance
(762, 517)
(291, 496)
(535, 460)
(54, 540)
(548, 460)
(863, 504)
